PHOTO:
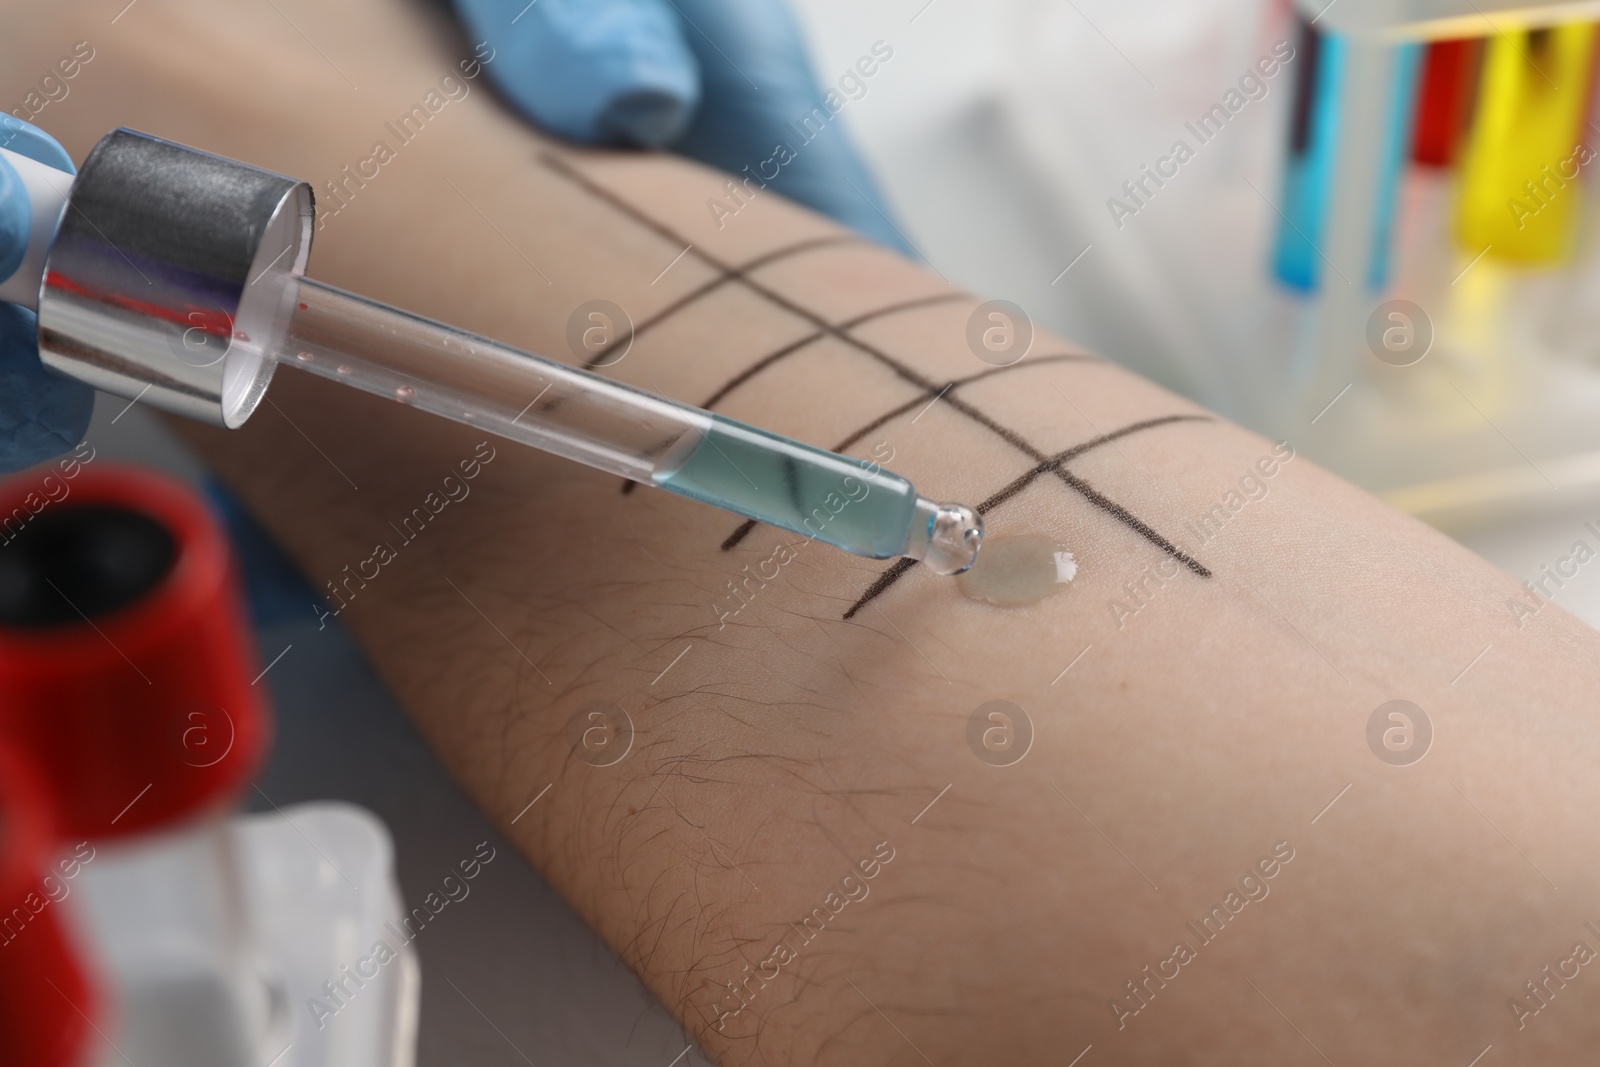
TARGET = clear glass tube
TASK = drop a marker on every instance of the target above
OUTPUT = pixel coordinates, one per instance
(428, 365)
(849, 503)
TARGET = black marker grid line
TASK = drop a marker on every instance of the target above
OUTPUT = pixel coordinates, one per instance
(928, 389)
(793, 347)
(724, 277)
(812, 338)
(1056, 464)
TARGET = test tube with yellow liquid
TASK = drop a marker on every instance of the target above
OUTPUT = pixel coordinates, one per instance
(1519, 193)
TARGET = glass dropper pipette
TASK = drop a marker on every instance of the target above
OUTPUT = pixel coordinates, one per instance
(173, 276)
(851, 504)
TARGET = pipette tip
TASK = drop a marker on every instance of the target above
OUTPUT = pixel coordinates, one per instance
(946, 537)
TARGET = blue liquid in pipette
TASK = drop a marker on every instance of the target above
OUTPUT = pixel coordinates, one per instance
(850, 503)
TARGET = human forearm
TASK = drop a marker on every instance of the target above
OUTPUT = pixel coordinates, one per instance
(1217, 706)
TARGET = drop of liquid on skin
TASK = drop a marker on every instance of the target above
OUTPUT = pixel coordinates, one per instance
(1017, 570)
(405, 394)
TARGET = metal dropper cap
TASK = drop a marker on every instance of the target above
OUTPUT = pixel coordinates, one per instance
(166, 276)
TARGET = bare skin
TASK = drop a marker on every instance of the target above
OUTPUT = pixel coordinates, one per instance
(784, 753)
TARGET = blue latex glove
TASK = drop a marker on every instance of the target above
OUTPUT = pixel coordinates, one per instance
(721, 81)
(41, 414)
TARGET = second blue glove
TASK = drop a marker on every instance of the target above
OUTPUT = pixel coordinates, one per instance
(726, 82)
(41, 414)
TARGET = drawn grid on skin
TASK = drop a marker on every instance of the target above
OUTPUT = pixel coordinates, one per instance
(894, 413)
(796, 346)
(896, 570)
(1045, 464)
(706, 288)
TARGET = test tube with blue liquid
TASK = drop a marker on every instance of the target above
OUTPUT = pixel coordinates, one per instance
(1313, 152)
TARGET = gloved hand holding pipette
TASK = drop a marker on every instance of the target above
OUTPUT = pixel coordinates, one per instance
(644, 73)
(41, 414)
(201, 334)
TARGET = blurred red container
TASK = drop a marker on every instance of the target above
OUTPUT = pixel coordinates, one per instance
(125, 662)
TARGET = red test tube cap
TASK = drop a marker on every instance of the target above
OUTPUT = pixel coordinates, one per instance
(125, 664)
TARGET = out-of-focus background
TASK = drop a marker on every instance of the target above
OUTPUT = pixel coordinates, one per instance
(1003, 133)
